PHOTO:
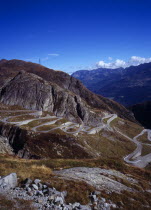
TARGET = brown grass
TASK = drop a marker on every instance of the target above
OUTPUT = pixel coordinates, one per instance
(42, 169)
(21, 118)
(61, 121)
(101, 143)
(24, 168)
(46, 127)
(77, 190)
(36, 122)
(106, 119)
(10, 164)
(146, 150)
(7, 203)
(13, 114)
(128, 128)
(144, 138)
(7, 107)
(130, 200)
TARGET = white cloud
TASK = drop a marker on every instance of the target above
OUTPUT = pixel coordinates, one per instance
(139, 60)
(133, 61)
(54, 54)
(116, 64)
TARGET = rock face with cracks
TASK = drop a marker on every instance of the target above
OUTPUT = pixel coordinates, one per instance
(32, 92)
(9, 181)
(63, 84)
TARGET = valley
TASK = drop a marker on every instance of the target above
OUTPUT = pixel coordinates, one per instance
(44, 122)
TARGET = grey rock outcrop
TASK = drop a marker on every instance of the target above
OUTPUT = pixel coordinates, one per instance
(9, 181)
(5, 147)
(10, 68)
(29, 145)
(32, 92)
(97, 177)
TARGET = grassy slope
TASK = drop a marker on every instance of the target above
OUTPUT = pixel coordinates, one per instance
(15, 204)
(78, 191)
(128, 128)
(110, 145)
(118, 147)
(131, 129)
(106, 143)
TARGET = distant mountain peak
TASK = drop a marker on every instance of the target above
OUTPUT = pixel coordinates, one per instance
(126, 86)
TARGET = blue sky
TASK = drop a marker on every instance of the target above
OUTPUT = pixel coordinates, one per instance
(76, 34)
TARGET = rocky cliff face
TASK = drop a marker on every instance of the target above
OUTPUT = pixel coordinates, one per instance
(32, 92)
(65, 90)
(29, 145)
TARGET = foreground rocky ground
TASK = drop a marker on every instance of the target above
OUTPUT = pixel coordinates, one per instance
(72, 184)
(76, 166)
(100, 179)
(44, 197)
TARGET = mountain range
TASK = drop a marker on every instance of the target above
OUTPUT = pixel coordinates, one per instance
(127, 86)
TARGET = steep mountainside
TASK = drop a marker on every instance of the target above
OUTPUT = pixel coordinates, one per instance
(142, 113)
(41, 134)
(126, 86)
(32, 92)
(9, 69)
(49, 114)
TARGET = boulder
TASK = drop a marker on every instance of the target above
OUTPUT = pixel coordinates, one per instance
(35, 186)
(9, 181)
(37, 181)
(59, 200)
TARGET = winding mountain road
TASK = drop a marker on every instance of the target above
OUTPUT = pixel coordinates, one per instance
(138, 160)
(65, 126)
(134, 158)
